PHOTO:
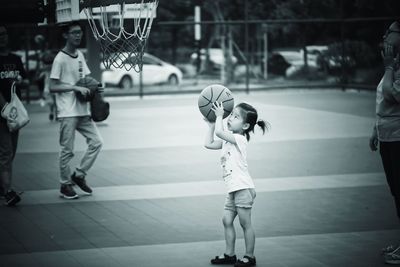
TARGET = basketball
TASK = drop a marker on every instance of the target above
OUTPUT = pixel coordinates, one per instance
(215, 93)
(90, 83)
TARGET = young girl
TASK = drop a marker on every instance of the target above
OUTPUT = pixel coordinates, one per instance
(240, 186)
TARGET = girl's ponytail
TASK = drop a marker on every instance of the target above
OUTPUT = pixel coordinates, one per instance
(263, 125)
(250, 116)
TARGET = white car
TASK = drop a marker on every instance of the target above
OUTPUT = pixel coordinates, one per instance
(216, 56)
(155, 71)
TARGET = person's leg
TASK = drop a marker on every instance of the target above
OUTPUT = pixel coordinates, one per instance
(390, 154)
(395, 160)
(229, 231)
(14, 142)
(93, 138)
(384, 150)
(228, 218)
(244, 215)
(8, 147)
(244, 200)
(6, 156)
(67, 139)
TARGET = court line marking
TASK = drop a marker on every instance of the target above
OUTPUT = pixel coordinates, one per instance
(207, 188)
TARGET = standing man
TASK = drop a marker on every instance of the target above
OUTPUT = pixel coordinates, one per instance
(11, 69)
(68, 67)
(387, 127)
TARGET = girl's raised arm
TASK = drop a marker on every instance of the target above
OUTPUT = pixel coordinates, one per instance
(210, 143)
(219, 127)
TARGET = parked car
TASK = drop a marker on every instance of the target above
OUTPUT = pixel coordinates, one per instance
(314, 54)
(216, 57)
(292, 57)
(155, 71)
(277, 64)
(296, 57)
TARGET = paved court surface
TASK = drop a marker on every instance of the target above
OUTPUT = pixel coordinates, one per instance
(322, 198)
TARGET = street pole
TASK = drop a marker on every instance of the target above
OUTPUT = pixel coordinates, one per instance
(265, 28)
(223, 65)
(343, 63)
(27, 49)
(141, 83)
(197, 38)
(246, 16)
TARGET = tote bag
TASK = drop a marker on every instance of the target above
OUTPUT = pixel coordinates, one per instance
(15, 112)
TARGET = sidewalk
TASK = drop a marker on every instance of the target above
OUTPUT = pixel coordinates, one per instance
(322, 198)
(195, 86)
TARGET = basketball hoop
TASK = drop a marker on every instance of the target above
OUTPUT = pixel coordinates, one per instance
(122, 41)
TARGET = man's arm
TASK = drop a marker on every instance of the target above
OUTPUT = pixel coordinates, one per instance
(56, 86)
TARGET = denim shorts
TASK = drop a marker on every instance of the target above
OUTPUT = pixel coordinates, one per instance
(240, 199)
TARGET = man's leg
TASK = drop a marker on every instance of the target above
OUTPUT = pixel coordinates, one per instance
(67, 139)
(94, 140)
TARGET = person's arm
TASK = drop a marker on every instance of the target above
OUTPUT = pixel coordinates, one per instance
(56, 86)
(391, 64)
(373, 140)
(3, 102)
(209, 142)
(22, 79)
(219, 127)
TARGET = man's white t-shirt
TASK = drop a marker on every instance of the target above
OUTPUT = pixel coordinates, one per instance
(69, 69)
(234, 164)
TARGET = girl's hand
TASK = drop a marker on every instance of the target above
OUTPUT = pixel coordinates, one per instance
(218, 109)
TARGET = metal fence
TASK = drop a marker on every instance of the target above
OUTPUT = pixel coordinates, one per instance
(243, 55)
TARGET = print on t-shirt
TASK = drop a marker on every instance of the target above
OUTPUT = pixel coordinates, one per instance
(226, 166)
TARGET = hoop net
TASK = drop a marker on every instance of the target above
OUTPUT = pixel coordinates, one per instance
(122, 42)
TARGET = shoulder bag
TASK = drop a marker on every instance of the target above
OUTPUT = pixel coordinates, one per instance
(14, 112)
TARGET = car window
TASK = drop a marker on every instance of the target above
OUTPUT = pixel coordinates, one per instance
(150, 61)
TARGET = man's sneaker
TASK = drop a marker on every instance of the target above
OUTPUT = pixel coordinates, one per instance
(392, 259)
(390, 249)
(224, 259)
(245, 261)
(68, 192)
(81, 182)
(12, 198)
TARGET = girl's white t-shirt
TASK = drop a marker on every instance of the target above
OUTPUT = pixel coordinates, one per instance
(234, 164)
(69, 69)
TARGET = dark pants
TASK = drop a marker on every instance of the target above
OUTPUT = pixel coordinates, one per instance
(390, 154)
(8, 147)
